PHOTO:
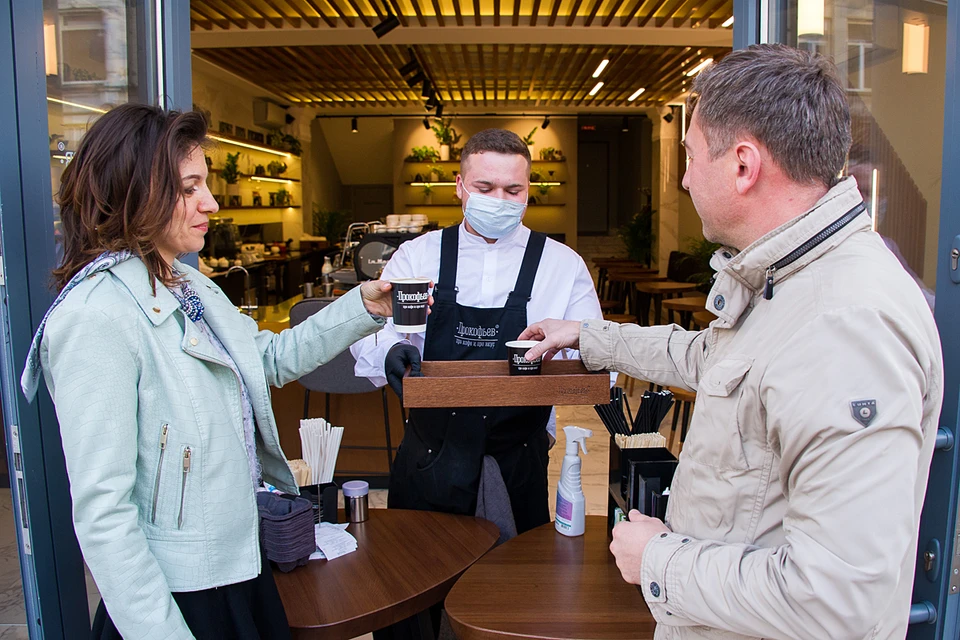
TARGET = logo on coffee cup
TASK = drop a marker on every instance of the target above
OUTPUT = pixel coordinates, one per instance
(520, 361)
(414, 297)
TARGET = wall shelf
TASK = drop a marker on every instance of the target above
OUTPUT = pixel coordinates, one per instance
(257, 178)
(452, 184)
(246, 144)
(535, 161)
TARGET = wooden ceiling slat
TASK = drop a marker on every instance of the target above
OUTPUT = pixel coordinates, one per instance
(483, 74)
(348, 20)
(534, 13)
(574, 12)
(509, 74)
(707, 9)
(320, 13)
(685, 11)
(667, 65)
(419, 12)
(516, 13)
(615, 73)
(375, 5)
(582, 67)
(612, 13)
(434, 62)
(313, 21)
(396, 57)
(653, 12)
(670, 13)
(465, 53)
(363, 16)
(496, 13)
(477, 19)
(630, 15)
(398, 11)
(253, 13)
(593, 13)
(554, 12)
(387, 69)
(275, 20)
(458, 12)
(284, 15)
(437, 11)
(628, 73)
(524, 59)
(379, 77)
(547, 67)
(232, 14)
(211, 15)
(495, 72)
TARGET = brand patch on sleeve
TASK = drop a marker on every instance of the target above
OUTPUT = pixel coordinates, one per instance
(864, 411)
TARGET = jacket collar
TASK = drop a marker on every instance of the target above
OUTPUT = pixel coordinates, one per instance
(741, 277)
(134, 276)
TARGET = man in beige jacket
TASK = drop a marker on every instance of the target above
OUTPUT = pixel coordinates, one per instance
(795, 507)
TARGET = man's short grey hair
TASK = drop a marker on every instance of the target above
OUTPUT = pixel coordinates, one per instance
(790, 101)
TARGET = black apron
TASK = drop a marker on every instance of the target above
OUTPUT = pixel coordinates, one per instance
(439, 462)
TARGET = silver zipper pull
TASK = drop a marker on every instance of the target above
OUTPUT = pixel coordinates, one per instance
(183, 485)
(768, 288)
(163, 437)
(186, 460)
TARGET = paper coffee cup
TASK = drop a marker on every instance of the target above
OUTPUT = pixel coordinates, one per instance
(520, 366)
(410, 297)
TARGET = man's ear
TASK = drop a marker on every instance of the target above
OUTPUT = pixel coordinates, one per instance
(460, 186)
(749, 161)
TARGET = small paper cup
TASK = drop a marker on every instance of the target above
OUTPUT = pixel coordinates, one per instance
(410, 297)
(520, 366)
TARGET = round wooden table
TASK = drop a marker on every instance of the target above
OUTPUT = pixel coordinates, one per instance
(543, 584)
(406, 561)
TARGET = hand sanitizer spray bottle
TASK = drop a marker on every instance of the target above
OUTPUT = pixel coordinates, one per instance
(570, 502)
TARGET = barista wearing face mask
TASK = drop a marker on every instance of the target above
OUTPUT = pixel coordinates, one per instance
(494, 276)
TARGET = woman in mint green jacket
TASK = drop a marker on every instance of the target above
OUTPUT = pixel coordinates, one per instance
(162, 388)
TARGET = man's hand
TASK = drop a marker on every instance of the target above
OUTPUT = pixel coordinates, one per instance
(378, 297)
(629, 541)
(553, 335)
(395, 365)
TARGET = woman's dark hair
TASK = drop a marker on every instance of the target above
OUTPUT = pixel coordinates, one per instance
(122, 187)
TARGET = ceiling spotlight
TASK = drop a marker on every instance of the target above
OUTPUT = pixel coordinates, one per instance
(596, 88)
(417, 78)
(353, 125)
(668, 118)
(409, 68)
(625, 125)
(728, 22)
(603, 64)
(426, 124)
(439, 113)
(635, 94)
(288, 118)
(432, 101)
(426, 90)
(386, 25)
(546, 122)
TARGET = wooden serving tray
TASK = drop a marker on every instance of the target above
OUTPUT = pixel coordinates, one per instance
(488, 383)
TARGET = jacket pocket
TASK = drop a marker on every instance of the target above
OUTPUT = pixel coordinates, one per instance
(164, 431)
(715, 438)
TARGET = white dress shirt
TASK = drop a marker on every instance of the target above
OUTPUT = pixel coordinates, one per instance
(486, 274)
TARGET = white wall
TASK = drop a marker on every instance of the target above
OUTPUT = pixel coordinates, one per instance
(364, 157)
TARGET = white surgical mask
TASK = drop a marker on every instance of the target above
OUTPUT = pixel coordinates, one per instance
(492, 217)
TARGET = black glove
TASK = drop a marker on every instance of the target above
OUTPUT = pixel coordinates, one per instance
(395, 365)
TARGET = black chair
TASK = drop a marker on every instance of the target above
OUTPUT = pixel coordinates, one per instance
(337, 376)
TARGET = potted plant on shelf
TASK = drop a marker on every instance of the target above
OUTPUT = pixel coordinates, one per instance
(231, 175)
(549, 154)
(284, 198)
(437, 174)
(544, 193)
(427, 194)
(275, 168)
(423, 154)
(528, 139)
(330, 224)
(259, 170)
(447, 136)
(536, 176)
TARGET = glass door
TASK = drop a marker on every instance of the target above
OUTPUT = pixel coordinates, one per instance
(63, 63)
(894, 58)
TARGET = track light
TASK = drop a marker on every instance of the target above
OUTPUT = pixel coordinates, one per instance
(426, 90)
(426, 124)
(353, 125)
(625, 125)
(409, 68)
(439, 113)
(417, 78)
(432, 101)
(546, 122)
(386, 25)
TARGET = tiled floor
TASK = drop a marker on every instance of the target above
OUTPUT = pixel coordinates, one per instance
(594, 478)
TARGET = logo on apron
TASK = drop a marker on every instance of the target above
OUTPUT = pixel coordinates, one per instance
(480, 337)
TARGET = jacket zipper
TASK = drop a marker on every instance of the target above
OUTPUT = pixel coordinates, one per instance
(156, 485)
(807, 246)
(183, 485)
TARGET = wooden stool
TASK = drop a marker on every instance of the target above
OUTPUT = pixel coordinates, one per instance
(610, 305)
(682, 399)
